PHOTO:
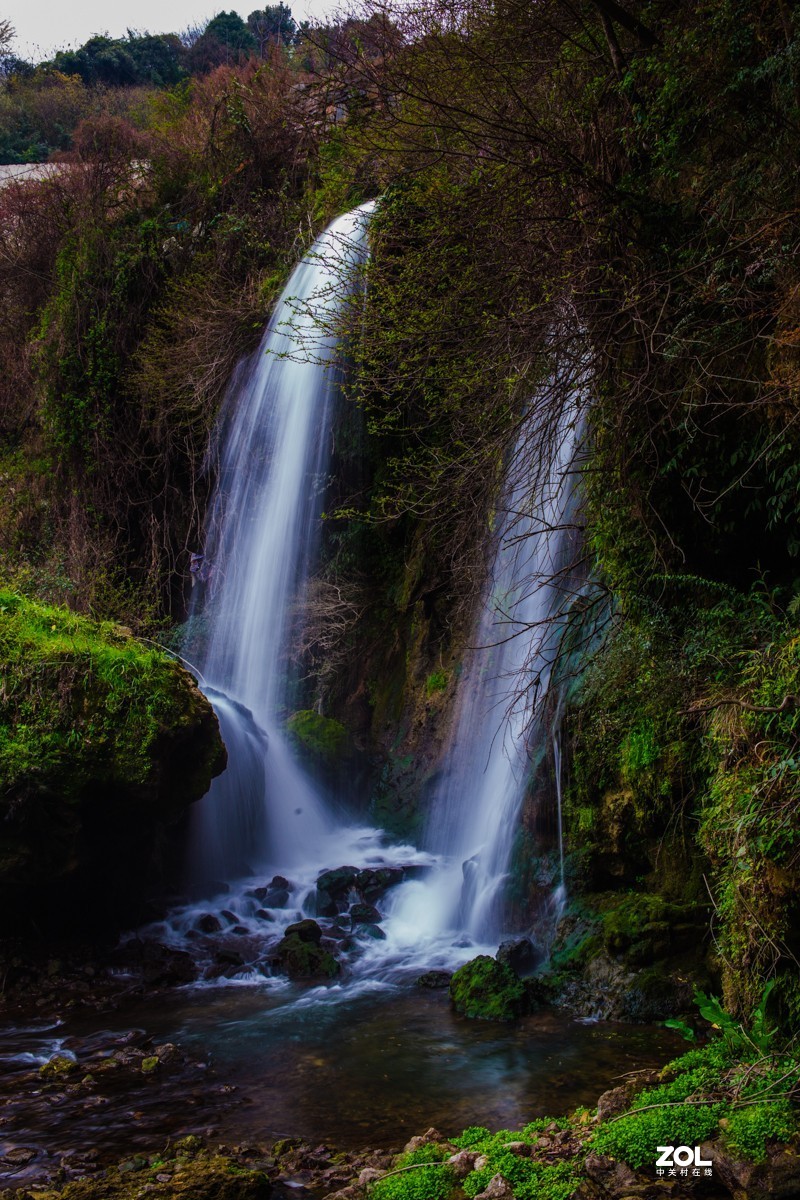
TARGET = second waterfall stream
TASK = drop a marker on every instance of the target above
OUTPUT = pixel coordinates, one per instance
(264, 817)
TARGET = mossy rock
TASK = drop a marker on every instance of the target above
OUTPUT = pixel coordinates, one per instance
(104, 743)
(639, 927)
(301, 959)
(488, 990)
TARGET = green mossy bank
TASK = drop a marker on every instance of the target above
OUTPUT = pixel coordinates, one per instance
(103, 745)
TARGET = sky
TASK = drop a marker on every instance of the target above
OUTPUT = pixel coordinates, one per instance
(43, 26)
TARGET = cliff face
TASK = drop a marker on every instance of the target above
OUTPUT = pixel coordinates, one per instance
(103, 745)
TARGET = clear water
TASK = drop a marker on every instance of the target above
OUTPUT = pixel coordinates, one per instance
(354, 1068)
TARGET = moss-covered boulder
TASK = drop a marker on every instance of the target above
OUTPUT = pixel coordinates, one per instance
(488, 990)
(300, 955)
(103, 745)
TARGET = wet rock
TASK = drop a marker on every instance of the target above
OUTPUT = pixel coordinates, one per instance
(263, 915)
(17, 1158)
(365, 914)
(229, 916)
(229, 958)
(374, 881)
(324, 905)
(337, 882)
(497, 1189)
(332, 889)
(276, 898)
(488, 990)
(209, 923)
(306, 931)
(364, 929)
(167, 1052)
(521, 955)
(151, 1064)
(58, 1065)
(279, 882)
(434, 979)
(301, 959)
(163, 967)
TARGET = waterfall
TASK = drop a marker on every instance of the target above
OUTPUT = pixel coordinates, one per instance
(474, 817)
(263, 813)
(261, 535)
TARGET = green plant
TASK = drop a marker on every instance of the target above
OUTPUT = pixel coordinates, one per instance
(437, 681)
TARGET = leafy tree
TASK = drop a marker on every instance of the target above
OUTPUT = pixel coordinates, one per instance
(273, 24)
(136, 59)
(225, 40)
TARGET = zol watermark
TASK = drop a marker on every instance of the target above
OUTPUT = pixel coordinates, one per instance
(684, 1162)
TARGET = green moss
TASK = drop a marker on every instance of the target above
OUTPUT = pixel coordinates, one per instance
(437, 681)
(82, 704)
(322, 737)
(488, 990)
(102, 741)
(58, 1065)
(748, 1130)
(302, 959)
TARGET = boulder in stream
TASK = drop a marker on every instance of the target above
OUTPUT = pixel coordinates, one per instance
(488, 990)
(521, 955)
(365, 913)
(300, 955)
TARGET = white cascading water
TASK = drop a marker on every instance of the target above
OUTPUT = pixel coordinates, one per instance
(263, 814)
(261, 533)
(474, 817)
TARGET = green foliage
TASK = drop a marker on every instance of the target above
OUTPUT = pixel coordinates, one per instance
(712, 1090)
(322, 737)
(634, 1138)
(761, 1033)
(437, 681)
(123, 62)
(531, 1179)
(433, 1183)
(681, 1027)
(749, 1129)
(488, 990)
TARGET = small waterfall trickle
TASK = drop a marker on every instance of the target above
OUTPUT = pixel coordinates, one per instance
(560, 893)
(262, 531)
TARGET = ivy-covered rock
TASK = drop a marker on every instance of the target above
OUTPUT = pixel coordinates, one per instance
(488, 990)
(104, 743)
